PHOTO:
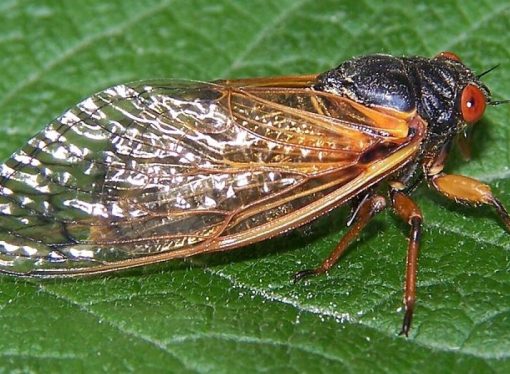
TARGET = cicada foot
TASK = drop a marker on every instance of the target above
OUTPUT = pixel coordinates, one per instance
(406, 324)
(307, 273)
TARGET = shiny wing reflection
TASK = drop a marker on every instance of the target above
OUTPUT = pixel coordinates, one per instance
(155, 167)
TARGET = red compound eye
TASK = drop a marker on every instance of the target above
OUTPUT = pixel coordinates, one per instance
(472, 103)
(449, 55)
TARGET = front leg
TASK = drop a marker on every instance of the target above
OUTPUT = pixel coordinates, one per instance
(468, 191)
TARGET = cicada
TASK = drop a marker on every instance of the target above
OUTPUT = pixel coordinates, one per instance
(151, 171)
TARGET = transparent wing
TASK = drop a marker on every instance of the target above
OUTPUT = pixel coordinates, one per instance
(141, 171)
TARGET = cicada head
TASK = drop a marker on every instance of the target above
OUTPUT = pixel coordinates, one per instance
(470, 95)
(442, 90)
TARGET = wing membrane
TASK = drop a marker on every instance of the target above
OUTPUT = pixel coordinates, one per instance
(154, 170)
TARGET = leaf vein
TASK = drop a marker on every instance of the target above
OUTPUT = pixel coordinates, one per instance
(146, 339)
(83, 44)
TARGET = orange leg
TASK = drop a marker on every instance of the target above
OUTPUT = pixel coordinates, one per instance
(410, 213)
(468, 191)
(368, 208)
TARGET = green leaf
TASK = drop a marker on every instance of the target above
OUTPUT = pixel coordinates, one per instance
(239, 311)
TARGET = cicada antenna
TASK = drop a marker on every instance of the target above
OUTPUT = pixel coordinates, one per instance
(493, 102)
(487, 71)
(498, 102)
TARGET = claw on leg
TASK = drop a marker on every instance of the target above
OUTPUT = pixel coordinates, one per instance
(406, 324)
(300, 275)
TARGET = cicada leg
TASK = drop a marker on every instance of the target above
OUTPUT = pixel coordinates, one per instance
(368, 208)
(407, 209)
(468, 191)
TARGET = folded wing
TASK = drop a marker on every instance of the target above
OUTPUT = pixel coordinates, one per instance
(179, 168)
